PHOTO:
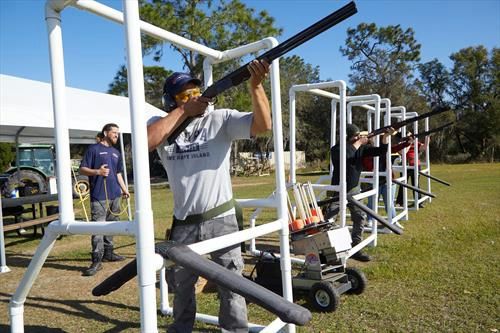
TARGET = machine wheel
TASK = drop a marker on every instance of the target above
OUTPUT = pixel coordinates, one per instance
(358, 280)
(324, 297)
(32, 182)
(81, 186)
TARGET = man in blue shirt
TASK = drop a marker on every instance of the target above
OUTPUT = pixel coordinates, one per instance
(102, 163)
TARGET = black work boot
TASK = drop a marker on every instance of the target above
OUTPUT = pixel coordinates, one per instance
(109, 256)
(361, 256)
(94, 267)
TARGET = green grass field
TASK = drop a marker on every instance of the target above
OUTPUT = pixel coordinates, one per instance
(442, 275)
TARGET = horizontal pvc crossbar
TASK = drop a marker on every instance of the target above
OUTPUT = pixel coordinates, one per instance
(151, 30)
(213, 244)
(114, 228)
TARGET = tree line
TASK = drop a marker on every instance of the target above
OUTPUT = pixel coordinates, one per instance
(384, 60)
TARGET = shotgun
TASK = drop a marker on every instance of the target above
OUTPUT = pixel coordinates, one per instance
(399, 124)
(242, 74)
(414, 188)
(427, 133)
(365, 209)
(434, 178)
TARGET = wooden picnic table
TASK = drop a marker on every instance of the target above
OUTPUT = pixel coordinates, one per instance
(35, 221)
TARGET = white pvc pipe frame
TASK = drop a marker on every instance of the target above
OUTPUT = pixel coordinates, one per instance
(142, 228)
(418, 198)
(345, 117)
(388, 170)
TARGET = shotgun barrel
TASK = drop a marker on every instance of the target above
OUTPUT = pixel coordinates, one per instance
(365, 209)
(427, 133)
(399, 124)
(242, 74)
(434, 178)
(416, 189)
(376, 216)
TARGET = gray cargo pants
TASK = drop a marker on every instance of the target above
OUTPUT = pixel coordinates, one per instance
(357, 216)
(233, 309)
(102, 243)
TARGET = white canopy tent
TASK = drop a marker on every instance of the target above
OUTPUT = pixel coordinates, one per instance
(27, 116)
(26, 109)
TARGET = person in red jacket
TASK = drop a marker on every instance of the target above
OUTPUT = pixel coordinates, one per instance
(410, 159)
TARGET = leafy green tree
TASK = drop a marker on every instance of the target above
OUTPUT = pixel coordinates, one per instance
(435, 80)
(383, 63)
(154, 78)
(474, 90)
(310, 115)
(6, 155)
(226, 25)
(312, 112)
(383, 59)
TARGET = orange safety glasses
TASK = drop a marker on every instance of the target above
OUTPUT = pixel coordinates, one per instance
(187, 94)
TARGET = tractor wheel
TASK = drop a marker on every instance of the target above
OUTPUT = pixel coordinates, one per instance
(81, 186)
(324, 297)
(358, 280)
(29, 182)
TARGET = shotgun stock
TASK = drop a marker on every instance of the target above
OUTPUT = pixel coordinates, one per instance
(242, 74)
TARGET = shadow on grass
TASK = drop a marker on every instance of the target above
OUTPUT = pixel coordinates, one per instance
(77, 308)
(34, 329)
(24, 260)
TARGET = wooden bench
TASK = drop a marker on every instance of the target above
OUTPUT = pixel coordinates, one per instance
(30, 223)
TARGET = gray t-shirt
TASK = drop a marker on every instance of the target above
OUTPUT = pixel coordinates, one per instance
(197, 163)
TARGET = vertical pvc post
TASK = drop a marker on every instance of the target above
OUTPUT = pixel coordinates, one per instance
(416, 166)
(333, 130)
(286, 267)
(3, 261)
(427, 158)
(144, 214)
(292, 126)
(388, 163)
(63, 161)
(376, 166)
(342, 141)
(208, 77)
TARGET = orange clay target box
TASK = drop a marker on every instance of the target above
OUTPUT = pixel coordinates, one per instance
(320, 249)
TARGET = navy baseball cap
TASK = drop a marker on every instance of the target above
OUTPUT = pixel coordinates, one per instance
(175, 82)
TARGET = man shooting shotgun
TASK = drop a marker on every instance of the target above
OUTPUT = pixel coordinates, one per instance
(198, 172)
(242, 74)
(356, 150)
